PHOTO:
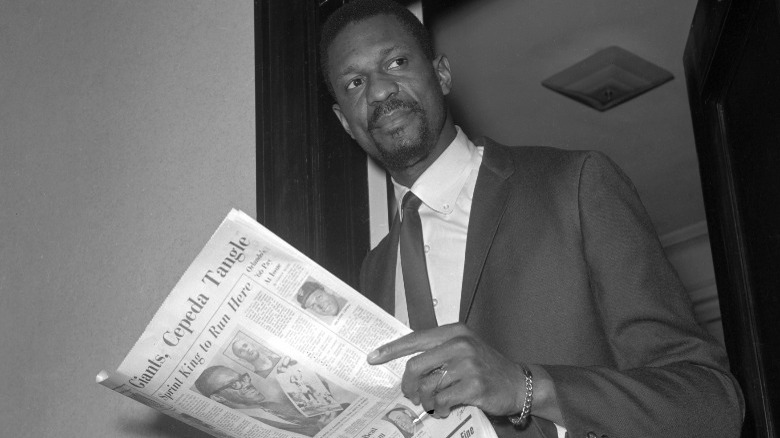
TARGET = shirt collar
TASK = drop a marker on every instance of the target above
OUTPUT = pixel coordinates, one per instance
(441, 183)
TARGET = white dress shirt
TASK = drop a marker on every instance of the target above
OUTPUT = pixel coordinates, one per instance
(445, 189)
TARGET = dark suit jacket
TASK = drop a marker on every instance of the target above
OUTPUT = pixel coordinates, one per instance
(563, 269)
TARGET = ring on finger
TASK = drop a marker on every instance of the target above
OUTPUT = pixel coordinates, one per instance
(442, 372)
(441, 378)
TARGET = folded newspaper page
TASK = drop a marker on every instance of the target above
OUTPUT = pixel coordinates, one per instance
(258, 341)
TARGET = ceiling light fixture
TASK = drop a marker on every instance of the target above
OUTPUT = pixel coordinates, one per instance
(608, 78)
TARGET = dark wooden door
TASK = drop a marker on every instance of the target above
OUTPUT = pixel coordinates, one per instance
(311, 177)
(732, 63)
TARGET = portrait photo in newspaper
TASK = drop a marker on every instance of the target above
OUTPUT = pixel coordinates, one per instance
(276, 390)
(320, 301)
(252, 353)
(402, 418)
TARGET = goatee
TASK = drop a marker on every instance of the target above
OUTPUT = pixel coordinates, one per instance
(408, 148)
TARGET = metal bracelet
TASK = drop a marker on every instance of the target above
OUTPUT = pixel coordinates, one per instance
(521, 420)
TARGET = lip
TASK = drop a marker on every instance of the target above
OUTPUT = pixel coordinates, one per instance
(392, 119)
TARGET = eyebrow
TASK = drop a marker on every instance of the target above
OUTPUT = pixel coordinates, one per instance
(383, 53)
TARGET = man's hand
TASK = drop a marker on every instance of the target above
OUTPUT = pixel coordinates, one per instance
(476, 374)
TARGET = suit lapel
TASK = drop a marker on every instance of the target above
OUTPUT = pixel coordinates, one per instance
(381, 288)
(487, 208)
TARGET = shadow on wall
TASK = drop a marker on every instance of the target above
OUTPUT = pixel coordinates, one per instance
(160, 425)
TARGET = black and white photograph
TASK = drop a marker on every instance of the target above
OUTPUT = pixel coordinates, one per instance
(560, 216)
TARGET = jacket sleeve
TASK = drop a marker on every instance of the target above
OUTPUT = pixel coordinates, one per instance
(672, 378)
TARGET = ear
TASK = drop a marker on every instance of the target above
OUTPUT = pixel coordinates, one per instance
(342, 119)
(441, 65)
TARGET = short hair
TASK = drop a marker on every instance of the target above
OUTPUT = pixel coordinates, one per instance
(306, 290)
(203, 383)
(360, 10)
(401, 409)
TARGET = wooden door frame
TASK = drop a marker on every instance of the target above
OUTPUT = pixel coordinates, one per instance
(311, 177)
(719, 33)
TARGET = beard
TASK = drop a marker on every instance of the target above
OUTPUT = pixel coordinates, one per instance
(406, 148)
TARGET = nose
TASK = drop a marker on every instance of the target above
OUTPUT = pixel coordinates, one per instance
(381, 87)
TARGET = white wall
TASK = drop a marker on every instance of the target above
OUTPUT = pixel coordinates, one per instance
(126, 134)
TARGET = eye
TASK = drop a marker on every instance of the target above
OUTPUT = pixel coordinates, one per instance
(354, 83)
(397, 63)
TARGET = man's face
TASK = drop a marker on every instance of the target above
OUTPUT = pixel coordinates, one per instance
(390, 97)
(245, 350)
(322, 303)
(235, 388)
(403, 420)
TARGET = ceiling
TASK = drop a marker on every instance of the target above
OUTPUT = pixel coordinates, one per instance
(501, 50)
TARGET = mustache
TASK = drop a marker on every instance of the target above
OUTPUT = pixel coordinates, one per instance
(391, 105)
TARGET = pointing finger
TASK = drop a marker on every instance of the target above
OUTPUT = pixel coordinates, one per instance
(415, 342)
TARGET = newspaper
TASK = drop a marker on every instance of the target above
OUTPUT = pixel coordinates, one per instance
(258, 341)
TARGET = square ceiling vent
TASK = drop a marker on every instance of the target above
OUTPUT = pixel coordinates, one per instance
(608, 78)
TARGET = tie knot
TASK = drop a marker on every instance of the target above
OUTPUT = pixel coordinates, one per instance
(410, 201)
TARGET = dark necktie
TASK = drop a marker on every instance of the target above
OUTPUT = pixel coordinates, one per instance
(419, 303)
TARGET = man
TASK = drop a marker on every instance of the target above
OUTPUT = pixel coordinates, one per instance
(314, 297)
(304, 389)
(236, 391)
(249, 352)
(402, 419)
(550, 289)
